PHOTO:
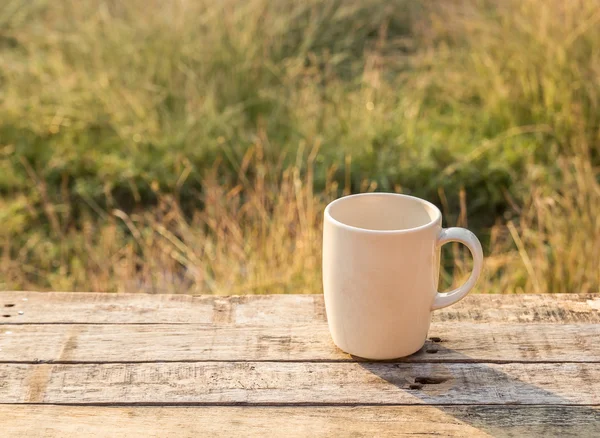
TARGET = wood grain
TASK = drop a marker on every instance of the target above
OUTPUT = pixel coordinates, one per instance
(175, 365)
(363, 421)
(232, 383)
(456, 342)
(85, 308)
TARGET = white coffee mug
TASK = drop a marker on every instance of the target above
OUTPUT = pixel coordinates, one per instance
(381, 258)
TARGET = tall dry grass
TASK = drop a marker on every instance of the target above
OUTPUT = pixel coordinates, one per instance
(257, 235)
(194, 149)
(260, 236)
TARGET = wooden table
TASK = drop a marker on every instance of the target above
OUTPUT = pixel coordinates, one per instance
(90, 365)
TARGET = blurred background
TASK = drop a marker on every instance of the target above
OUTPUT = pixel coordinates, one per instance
(191, 145)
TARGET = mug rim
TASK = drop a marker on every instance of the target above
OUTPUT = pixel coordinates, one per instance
(436, 220)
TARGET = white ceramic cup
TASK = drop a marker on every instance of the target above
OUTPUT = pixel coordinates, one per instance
(381, 259)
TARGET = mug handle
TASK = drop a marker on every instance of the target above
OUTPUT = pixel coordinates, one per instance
(467, 238)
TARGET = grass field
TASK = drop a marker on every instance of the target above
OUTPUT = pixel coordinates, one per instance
(191, 146)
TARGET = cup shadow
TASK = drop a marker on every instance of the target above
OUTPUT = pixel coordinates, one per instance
(501, 406)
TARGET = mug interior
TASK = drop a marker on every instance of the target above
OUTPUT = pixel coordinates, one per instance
(383, 212)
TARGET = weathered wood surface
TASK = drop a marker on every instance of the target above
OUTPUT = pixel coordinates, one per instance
(361, 421)
(74, 364)
(455, 342)
(95, 308)
(297, 383)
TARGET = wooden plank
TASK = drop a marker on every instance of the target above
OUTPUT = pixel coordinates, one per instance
(107, 308)
(233, 383)
(455, 342)
(74, 307)
(363, 421)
